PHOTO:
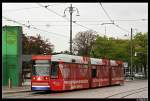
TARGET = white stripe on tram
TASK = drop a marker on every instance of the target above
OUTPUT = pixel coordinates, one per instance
(40, 86)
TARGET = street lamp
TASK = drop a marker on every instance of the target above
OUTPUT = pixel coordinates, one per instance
(71, 10)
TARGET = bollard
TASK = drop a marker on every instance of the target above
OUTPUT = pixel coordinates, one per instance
(9, 83)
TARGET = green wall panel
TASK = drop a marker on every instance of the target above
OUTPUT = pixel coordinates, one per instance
(11, 44)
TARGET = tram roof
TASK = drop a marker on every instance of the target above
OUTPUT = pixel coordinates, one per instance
(113, 63)
(67, 58)
(96, 61)
(78, 59)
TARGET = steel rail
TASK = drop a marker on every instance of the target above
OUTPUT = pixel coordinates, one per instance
(126, 92)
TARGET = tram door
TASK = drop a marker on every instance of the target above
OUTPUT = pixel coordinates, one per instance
(110, 75)
(90, 76)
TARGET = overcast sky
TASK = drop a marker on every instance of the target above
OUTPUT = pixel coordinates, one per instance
(57, 28)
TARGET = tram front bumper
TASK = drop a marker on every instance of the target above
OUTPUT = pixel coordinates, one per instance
(40, 88)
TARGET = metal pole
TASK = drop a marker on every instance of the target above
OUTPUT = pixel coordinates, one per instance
(131, 67)
(105, 26)
(105, 29)
(9, 83)
(71, 11)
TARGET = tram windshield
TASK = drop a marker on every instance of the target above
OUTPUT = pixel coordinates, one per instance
(41, 68)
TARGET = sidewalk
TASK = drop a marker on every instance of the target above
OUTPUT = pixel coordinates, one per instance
(126, 80)
(6, 90)
(25, 88)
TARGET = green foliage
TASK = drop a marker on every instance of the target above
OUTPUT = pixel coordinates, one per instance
(115, 49)
(35, 45)
(141, 48)
(119, 49)
(111, 48)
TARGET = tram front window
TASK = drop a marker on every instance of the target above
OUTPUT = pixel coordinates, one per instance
(41, 68)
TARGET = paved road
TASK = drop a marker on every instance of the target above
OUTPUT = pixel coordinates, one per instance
(131, 89)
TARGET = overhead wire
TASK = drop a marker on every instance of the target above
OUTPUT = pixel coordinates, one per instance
(55, 13)
(21, 9)
(63, 17)
(8, 19)
(29, 26)
(10, 10)
(121, 28)
(81, 21)
(113, 20)
(49, 9)
(106, 13)
(86, 20)
(51, 25)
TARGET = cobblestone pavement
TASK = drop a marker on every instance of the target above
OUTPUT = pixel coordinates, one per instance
(132, 89)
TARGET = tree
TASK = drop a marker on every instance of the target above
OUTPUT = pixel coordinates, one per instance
(36, 45)
(101, 47)
(119, 49)
(141, 48)
(65, 52)
(83, 41)
(25, 44)
(111, 48)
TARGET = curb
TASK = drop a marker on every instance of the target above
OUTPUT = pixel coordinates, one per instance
(131, 80)
(128, 80)
(9, 92)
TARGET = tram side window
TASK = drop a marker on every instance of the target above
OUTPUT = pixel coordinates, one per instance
(66, 72)
(94, 73)
(114, 71)
(54, 70)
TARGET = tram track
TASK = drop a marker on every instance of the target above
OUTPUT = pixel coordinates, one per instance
(133, 93)
(127, 93)
(132, 89)
(27, 95)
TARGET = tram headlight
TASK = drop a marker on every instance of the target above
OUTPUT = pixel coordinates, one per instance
(33, 78)
(45, 78)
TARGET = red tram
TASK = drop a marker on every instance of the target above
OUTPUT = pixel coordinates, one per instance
(67, 72)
